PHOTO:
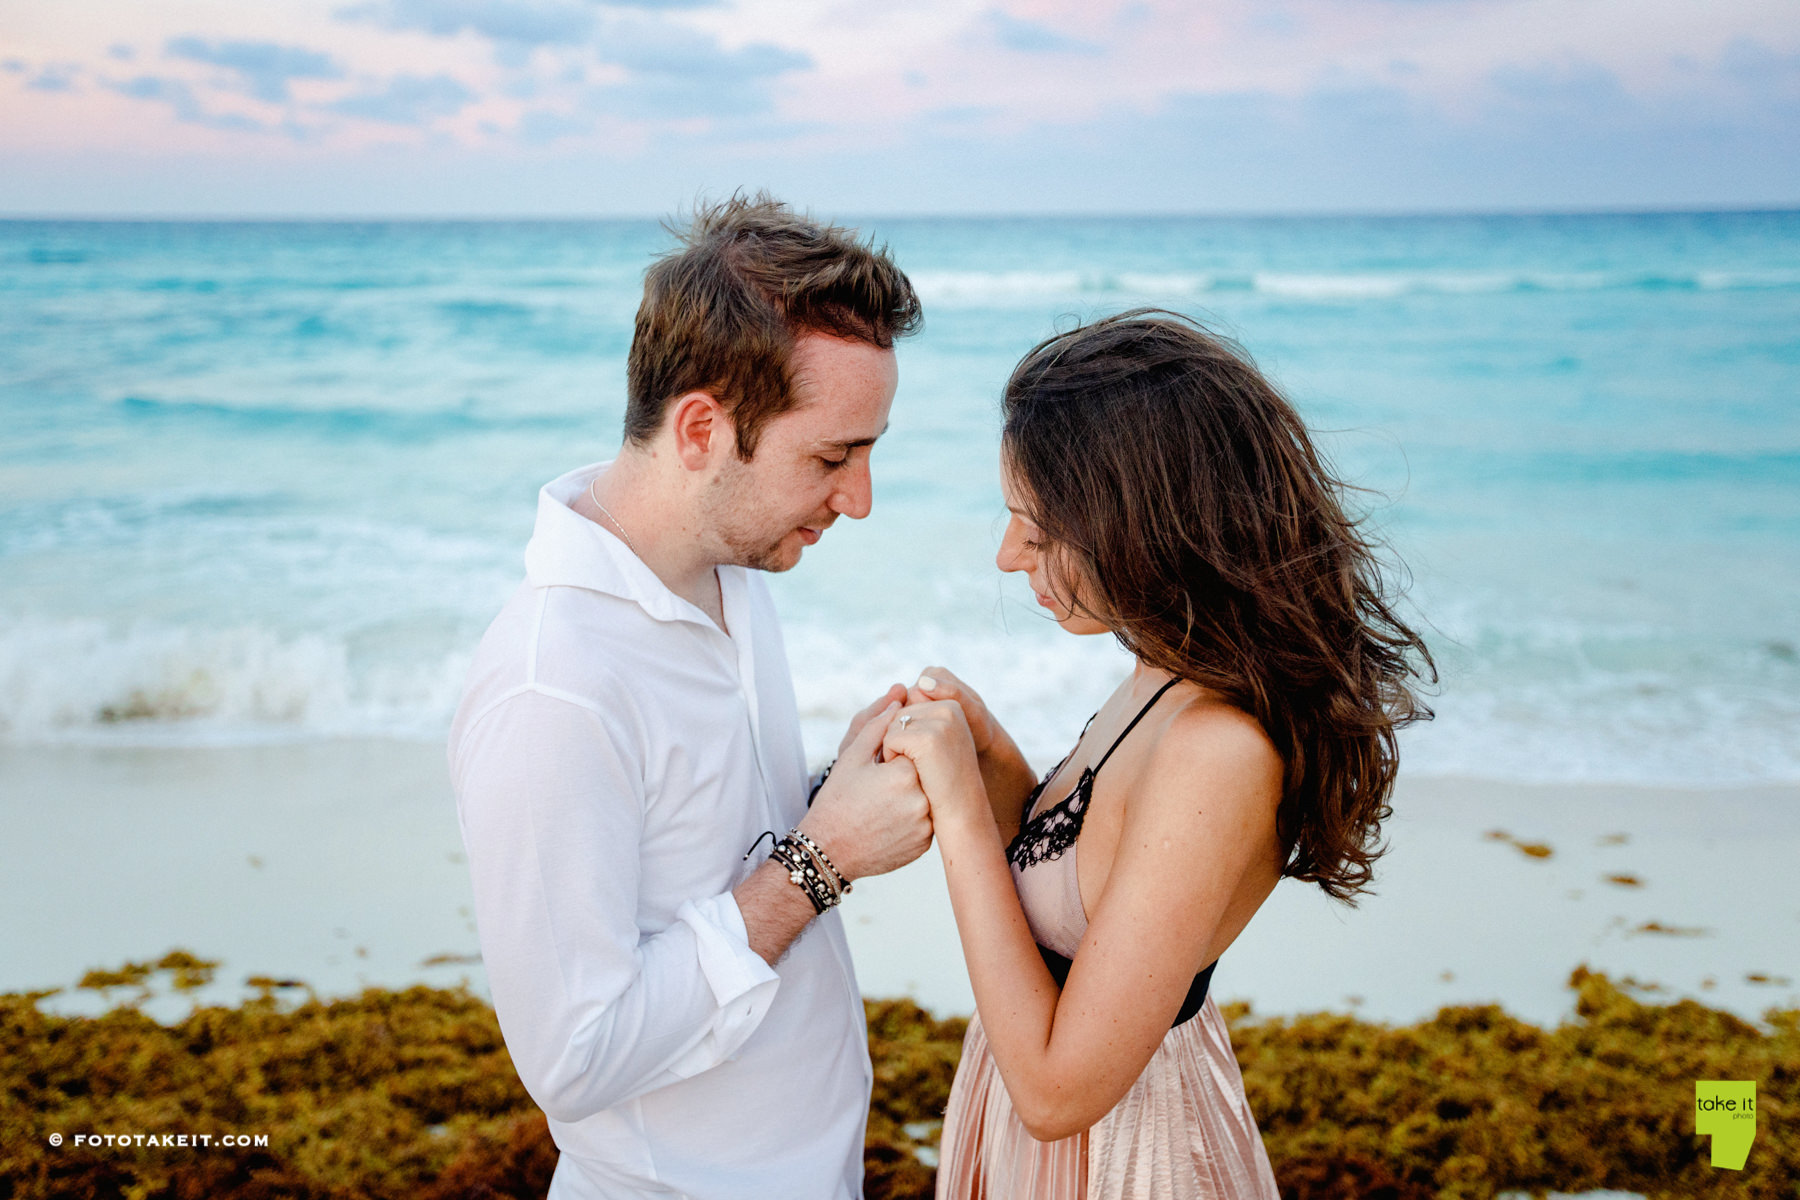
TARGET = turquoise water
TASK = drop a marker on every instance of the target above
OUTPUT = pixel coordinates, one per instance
(269, 481)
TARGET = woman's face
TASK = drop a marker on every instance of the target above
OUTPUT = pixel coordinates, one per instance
(1022, 549)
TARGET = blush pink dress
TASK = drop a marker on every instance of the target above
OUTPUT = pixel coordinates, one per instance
(1183, 1132)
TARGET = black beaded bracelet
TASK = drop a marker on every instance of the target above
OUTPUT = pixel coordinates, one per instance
(804, 874)
(817, 851)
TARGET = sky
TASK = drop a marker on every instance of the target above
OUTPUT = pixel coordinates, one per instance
(634, 107)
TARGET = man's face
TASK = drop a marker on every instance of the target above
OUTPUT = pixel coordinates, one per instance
(812, 462)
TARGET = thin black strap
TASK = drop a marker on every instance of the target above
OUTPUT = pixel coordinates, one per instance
(1142, 713)
(1031, 802)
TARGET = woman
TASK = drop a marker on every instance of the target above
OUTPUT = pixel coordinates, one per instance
(1163, 492)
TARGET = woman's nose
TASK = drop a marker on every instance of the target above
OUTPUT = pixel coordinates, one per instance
(1012, 550)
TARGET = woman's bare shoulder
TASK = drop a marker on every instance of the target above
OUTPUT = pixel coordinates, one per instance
(1210, 743)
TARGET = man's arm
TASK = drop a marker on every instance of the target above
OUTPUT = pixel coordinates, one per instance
(594, 1013)
(775, 911)
(870, 818)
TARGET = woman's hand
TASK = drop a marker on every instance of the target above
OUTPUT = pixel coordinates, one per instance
(936, 683)
(1005, 775)
(935, 735)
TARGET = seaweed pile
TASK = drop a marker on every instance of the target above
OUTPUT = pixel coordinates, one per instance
(1474, 1102)
(410, 1093)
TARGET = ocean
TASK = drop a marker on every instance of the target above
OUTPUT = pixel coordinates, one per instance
(267, 482)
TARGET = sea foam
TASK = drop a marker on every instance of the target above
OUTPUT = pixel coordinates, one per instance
(86, 681)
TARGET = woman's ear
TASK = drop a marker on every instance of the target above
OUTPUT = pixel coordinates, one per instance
(701, 430)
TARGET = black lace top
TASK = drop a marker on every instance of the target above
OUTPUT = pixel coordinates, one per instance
(1048, 835)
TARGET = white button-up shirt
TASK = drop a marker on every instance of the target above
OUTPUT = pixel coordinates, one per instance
(614, 756)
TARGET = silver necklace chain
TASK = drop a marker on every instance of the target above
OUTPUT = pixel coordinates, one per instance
(629, 545)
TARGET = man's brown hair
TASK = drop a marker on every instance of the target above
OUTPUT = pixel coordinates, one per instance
(721, 312)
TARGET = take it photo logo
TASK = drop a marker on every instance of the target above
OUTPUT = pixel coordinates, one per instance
(1726, 1110)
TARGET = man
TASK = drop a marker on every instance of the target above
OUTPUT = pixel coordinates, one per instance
(680, 1005)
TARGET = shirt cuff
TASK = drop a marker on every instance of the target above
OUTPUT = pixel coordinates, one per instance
(743, 985)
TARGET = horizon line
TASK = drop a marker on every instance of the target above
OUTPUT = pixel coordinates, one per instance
(348, 218)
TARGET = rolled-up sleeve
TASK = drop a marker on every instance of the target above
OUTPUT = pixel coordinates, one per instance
(551, 801)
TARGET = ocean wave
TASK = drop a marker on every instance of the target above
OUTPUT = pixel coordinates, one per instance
(1502, 717)
(1630, 726)
(1546, 697)
(185, 531)
(1642, 728)
(963, 287)
(1731, 467)
(340, 422)
(89, 682)
(1044, 689)
(101, 521)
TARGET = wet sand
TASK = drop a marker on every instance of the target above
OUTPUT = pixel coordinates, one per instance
(339, 863)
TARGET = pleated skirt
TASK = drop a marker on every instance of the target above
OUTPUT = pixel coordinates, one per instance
(1183, 1132)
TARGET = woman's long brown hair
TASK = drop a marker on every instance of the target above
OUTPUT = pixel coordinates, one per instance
(1192, 514)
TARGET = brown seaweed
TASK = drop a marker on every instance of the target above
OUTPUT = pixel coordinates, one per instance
(410, 1093)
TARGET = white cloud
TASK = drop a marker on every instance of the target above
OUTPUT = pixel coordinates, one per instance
(407, 100)
(265, 68)
(926, 96)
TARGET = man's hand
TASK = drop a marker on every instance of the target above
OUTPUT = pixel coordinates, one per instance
(896, 694)
(870, 817)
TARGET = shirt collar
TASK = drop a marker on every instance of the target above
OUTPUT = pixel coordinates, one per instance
(568, 550)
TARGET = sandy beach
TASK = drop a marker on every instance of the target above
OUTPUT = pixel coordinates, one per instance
(339, 863)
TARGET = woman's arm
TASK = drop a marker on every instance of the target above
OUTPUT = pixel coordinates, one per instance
(1005, 775)
(1201, 817)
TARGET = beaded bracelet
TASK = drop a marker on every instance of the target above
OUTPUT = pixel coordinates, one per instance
(818, 852)
(804, 874)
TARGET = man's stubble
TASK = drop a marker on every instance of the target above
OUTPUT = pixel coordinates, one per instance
(735, 509)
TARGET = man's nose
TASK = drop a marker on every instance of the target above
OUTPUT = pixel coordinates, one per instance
(855, 497)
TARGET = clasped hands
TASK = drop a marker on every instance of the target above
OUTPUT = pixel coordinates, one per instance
(942, 727)
(908, 765)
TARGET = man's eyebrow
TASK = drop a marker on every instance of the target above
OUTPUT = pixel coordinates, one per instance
(854, 443)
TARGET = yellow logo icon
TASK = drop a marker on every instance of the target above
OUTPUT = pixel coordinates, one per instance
(1726, 1109)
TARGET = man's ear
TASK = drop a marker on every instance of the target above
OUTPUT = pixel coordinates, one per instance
(702, 430)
